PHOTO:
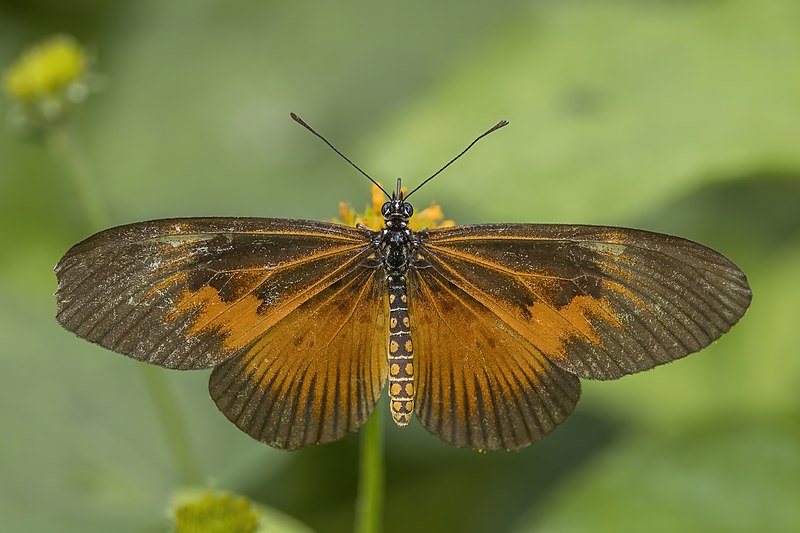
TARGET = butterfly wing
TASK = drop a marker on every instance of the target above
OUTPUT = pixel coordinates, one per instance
(317, 373)
(480, 383)
(192, 293)
(600, 302)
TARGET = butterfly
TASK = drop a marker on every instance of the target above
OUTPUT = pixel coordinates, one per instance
(482, 331)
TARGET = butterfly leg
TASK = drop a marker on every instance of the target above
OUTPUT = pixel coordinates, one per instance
(401, 353)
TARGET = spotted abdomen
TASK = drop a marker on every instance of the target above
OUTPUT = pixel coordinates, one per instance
(401, 353)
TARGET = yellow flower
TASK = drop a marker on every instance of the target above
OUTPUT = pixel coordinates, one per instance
(430, 217)
(49, 77)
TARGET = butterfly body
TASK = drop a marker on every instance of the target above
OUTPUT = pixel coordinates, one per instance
(398, 244)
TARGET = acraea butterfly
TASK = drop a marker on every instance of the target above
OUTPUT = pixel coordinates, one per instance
(483, 331)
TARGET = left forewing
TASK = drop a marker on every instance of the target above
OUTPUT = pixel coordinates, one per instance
(190, 293)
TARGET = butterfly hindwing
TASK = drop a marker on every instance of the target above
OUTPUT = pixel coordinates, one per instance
(317, 373)
(192, 293)
(479, 383)
(601, 302)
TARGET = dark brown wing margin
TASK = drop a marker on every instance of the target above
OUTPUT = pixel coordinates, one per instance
(191, 293)
(598, 301)
(317, 373)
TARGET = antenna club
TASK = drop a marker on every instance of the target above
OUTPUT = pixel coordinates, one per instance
(298, 119)
(496, 127)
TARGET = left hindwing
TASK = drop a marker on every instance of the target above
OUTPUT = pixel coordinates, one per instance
(601, 302)
(317, 373)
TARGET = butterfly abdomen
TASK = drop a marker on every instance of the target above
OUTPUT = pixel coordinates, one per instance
(401, 353)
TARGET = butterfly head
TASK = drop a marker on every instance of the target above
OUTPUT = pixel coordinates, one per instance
(397, 211)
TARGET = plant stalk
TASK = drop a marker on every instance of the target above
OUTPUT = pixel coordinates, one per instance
(369, 506)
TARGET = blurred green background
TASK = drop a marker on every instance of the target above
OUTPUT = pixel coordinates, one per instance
(675, 116)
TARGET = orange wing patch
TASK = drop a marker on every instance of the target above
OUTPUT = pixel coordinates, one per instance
(239, 306)
(553, 313)
(242, 317)
(581, 315)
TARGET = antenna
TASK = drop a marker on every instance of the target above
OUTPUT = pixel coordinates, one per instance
(309, 128)
(481, 136)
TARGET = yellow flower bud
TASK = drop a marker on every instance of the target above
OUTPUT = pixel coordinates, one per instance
(47, 80)
(216, 512)
(46, 70)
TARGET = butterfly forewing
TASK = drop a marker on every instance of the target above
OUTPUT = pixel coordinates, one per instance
(192, 293)
(318, 372)
(480, 383)
(598, 301)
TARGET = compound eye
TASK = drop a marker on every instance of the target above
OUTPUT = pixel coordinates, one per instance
(408, 210)
(386, 209)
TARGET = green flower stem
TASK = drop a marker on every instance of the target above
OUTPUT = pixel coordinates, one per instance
(62, 144)
(369, 506)
(173, 424)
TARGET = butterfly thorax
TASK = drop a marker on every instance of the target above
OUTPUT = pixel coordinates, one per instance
(396, 245)
(396, 250)
(396, 239)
